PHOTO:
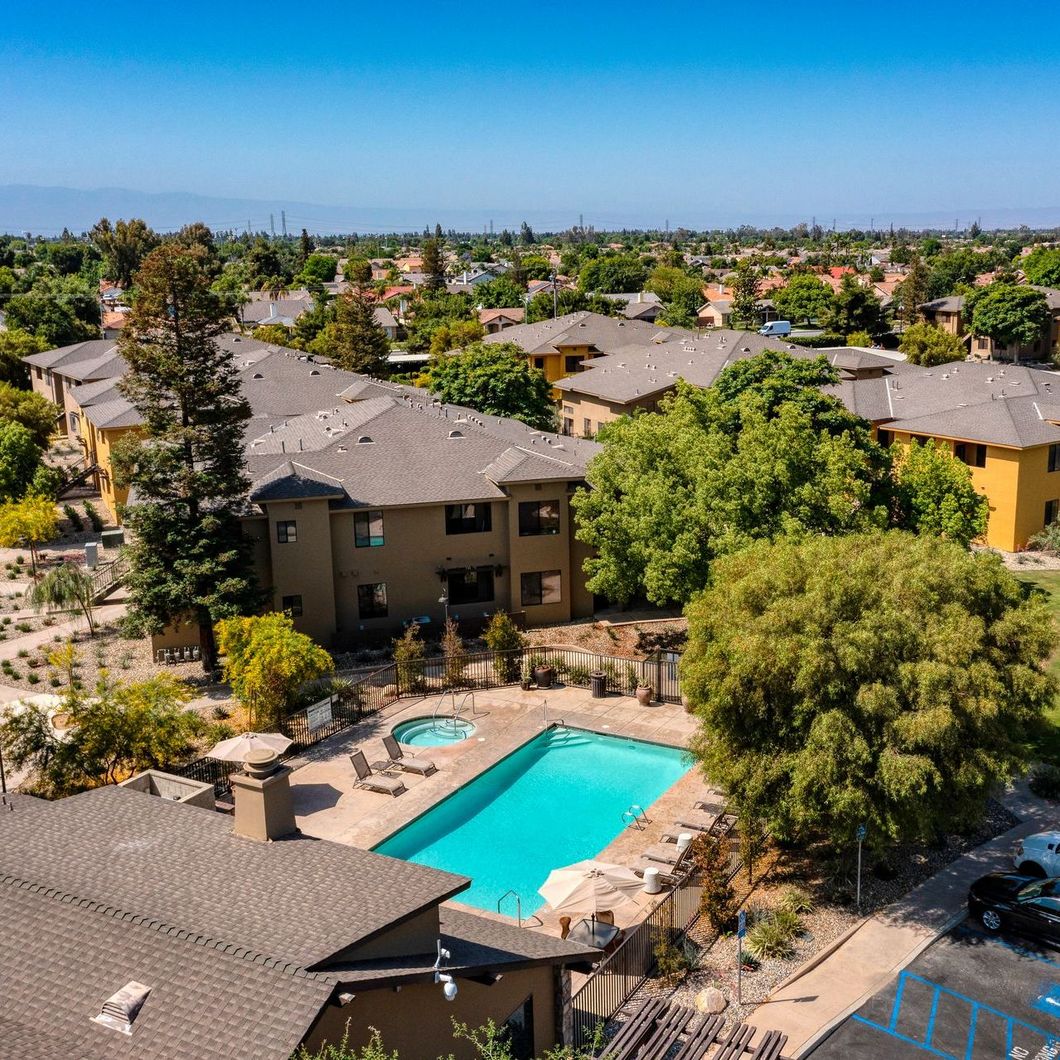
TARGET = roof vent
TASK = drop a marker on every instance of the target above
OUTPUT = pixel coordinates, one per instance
(456, 434)
(365, 439)
(120, 1010)
(315, 372)
(257, 375)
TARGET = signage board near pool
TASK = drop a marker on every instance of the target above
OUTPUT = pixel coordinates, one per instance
(556, 800)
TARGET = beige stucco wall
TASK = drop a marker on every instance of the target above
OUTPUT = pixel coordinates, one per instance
(417, 1021)
(579, 407)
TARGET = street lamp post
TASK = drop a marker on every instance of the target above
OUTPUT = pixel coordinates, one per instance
(444, 601)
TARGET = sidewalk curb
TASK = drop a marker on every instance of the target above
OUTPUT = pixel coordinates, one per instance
(818, 958)
(811, 1043)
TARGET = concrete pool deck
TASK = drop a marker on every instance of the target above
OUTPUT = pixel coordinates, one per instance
(328, 806)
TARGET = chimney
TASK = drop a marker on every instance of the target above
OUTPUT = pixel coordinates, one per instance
(262, 795)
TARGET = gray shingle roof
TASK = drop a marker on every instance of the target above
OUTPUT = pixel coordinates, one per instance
(574, 329)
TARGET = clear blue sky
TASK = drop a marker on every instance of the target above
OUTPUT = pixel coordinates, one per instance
(687, 111)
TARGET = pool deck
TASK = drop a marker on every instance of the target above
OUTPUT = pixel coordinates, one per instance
(328, 806)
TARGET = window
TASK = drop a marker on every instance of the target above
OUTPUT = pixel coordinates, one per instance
(1050, 512)
(539, 362)
(540, 587)
(371, 600)
(37, 372)
(520, 1028)
(884, 437)
(568, 426)
(979, 456)
(292, 605)
(470, 585)
(983, 344)
(587, 428)
(572, 364)
(1054, 457)
(468, 518)
(368, 529)
(972, 455)
(538, 517)
(287, 531)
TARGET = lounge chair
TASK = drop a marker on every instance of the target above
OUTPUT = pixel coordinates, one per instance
(665, 853)
(406, 763)
(373, 781)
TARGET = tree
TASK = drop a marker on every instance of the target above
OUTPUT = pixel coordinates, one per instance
(804, 297)
(15, 343)
(433, 264)
(934, 494)
(120, 730)
(1009, 314)
(927, 345)
(28, 522)
(34, 411)
(495, 378)
(305, 247)
(501, 293)
(454, 335)
(408, 652)
(267, 662)
(123, 246)
(61, 311)
(1042, 266)
(613, 274)
(64, 588)
(357, 271)
(189, 558)
(353, 340)
(744, 307)
(855, 308)
(681, 293)
(715, 469)
(320, 268)
(453, 652)
(882, 679)
(19, 460)
(502, 637)
(913, 291)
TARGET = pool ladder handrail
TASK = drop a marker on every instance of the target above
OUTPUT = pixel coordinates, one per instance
(457, 709)
(518, 904)
(634, 815)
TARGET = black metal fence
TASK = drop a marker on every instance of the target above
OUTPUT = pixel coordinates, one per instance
(615, 979)
(462, 673)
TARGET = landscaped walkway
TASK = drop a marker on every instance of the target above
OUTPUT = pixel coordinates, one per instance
(806, 1008)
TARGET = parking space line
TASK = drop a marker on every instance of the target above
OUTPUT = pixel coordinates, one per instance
(1021, 950)
(972, 1025)
(904, 1038)
(929, 1032)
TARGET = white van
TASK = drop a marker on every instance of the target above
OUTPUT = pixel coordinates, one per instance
(776, 327)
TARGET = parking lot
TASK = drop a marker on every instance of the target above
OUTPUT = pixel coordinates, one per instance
(968, 996)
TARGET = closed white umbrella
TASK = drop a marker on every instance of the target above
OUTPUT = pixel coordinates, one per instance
(238, 747)
(589, 887)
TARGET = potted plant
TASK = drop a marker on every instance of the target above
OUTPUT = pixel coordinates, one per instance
(524, 680)
(543, 672)
(644, 695)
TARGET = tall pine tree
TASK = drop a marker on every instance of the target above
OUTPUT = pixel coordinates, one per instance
(433, 264)
(357, 342)
(189, 557)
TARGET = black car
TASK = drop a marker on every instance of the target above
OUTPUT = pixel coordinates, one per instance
(1023, 904)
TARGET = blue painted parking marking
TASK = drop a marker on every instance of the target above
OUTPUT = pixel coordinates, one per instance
(1050, 1039)
(1049, 1001)
(1014, 946)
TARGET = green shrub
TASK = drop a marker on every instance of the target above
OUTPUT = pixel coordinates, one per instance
(75, 520)
(1047, 540)
(769, 939)
(671, 961)
(787, 919)
(717, 902)
(503, 637)
(408, 658)
(93, 516)
(577, 675)
(33, 678)
(54, 682)
(23, 627)
(23, 653)
(221, 713)
(1044, 781)
(797, 900)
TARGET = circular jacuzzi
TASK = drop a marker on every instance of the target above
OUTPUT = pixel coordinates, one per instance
(432, 732)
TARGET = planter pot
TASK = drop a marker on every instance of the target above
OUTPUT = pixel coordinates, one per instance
(525, 684)
(543, 676)
(644, 693)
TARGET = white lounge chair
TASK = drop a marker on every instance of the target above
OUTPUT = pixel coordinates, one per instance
(407, 763)
(373, 781)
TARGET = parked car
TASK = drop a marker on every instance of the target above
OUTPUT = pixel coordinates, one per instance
(1037, 855)
(1018, 903)
(776, 327)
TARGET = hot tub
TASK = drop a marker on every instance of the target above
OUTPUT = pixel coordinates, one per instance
(432, 732)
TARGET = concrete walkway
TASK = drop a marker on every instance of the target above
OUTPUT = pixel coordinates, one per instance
(808, 1007)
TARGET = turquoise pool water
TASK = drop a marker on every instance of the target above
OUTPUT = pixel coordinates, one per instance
(428, 732)
(556, 800)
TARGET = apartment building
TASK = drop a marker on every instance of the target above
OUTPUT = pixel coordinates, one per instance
(138, 926)
(373, 504)
(948, 314)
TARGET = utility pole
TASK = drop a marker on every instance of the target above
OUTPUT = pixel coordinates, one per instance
(555, 297)
(248, 226)
(283, 222)
(272, 226)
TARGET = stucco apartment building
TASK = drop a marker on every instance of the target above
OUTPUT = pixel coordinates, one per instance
(136, 926)
(948, 314)
(370, 502)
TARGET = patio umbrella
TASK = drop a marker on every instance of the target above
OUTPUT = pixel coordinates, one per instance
(238, 747)
(590, 886)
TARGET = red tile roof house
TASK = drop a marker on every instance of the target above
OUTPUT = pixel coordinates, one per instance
(494, 320)
(135, 926)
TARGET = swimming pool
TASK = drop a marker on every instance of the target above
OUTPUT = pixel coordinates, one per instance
(433, 732)
(556, 800)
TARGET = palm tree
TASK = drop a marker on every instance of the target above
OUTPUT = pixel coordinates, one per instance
(64, 588)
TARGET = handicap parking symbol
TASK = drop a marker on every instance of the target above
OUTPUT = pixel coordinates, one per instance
(1049, 1002)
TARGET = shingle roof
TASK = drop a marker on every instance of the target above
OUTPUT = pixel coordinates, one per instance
(574, 329)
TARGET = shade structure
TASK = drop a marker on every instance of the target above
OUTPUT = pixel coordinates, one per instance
(589, 887)
(238, 747)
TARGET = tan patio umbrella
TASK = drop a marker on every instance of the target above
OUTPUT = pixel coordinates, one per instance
(589, 887)
(238, 747)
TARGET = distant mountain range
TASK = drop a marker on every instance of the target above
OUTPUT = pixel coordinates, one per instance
(48, 210)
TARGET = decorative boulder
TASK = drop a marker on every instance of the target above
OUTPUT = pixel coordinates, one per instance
(711, 1001)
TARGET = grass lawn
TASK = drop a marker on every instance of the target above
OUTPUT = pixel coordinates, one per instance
(1048, 742)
